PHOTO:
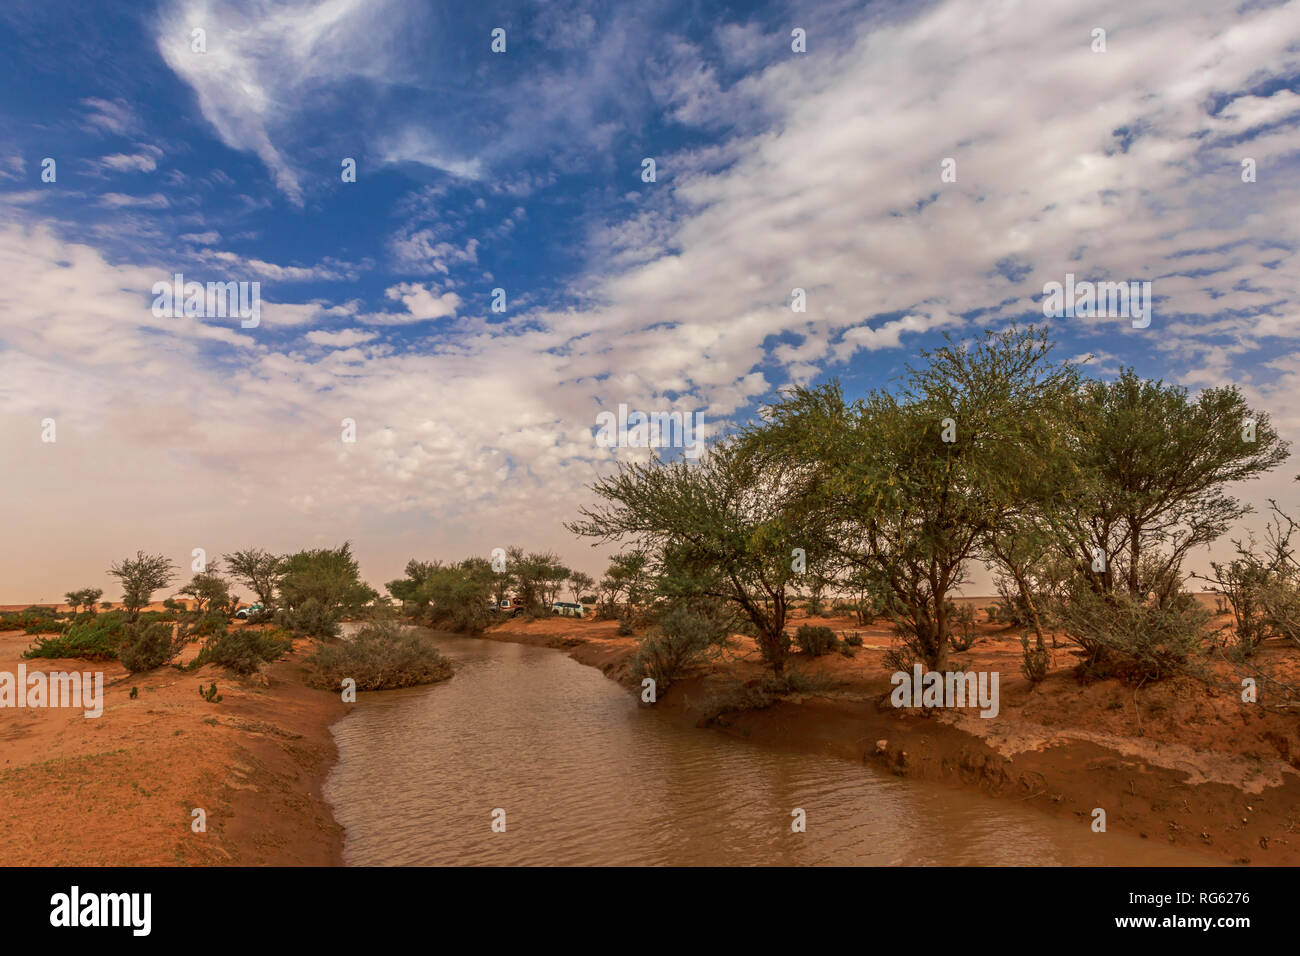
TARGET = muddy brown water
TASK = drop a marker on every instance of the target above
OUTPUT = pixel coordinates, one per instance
(588, 775)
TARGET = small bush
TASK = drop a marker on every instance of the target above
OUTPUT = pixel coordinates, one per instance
(853, 639)
(98, 638)
(243, 650)
(33, 620)
(382, 656)
(816, 639)
(210, 695)
(1036, 660)
(1133, 640)
(150, 645)
(685, 635)
(311, 618)
(625, 628)
(962, 636)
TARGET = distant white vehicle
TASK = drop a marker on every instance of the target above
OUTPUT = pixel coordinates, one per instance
(567, 609)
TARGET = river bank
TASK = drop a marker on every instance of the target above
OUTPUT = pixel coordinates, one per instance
(120, 789)
(1178, 763)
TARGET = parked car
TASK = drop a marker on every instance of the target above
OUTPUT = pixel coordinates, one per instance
(244, 613)
(568, 609)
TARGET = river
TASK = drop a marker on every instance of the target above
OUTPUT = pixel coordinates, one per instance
(587, 775)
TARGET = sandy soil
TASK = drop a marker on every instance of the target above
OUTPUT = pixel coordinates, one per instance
(1179, 762)
(119, 789)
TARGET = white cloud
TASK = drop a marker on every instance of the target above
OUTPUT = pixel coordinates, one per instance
(123, 201)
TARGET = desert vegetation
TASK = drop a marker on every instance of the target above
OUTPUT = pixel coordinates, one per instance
(1085, 498)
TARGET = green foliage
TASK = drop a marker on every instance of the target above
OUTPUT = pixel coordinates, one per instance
(1154, 466)
(1036, 661)
(381, 656)
(815, 640)
(243, 650)
(724, 527)
(328, 576)
(32, 620)
(311, 618)
(258, 570)
(150, 645)
(210, 695)
(90, 638)
(1133, 639)
(687, 634)
(963, 635)
(85, 598)
(141, 576)
(453, 596)
(210, 591)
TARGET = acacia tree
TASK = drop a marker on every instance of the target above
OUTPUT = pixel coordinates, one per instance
(725, 527)
(141, 576)
(582, 583)
(626, 582)
(918, 481)
(537, 577)
(86, 598)
(260, 570)
(210, 591)
(1155, 464)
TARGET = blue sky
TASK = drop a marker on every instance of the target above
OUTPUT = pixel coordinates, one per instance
(522, 171)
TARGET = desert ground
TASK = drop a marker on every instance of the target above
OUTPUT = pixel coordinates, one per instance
(120, 789)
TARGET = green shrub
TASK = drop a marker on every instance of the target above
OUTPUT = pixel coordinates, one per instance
(33, 620)
(91, 638)
(210, 695)
(962, 637)
(382, 656)
(1036, 660)
(243, 650)
(853, 639)
(312, 618)
(686, 634)
(816, 639)
(1131, 639)
(150, 645)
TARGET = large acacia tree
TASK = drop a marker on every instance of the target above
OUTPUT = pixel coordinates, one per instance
(1155, 464)
(918, 482)
(738, 524)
